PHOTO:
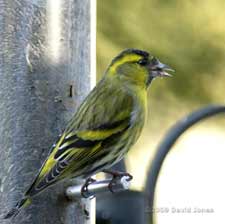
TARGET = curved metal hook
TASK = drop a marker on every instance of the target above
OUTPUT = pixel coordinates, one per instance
(166, 144)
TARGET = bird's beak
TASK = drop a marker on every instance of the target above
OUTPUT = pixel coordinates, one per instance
(158, 69)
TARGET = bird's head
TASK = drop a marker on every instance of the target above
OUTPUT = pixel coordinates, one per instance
(137, 66)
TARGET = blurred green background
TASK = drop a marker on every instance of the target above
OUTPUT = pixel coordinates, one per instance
(190, 37)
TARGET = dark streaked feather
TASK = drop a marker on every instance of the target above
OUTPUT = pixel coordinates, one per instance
(80, 143)
(51, 176)
(76, 142)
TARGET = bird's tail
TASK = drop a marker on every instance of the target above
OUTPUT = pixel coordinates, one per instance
(26, 201)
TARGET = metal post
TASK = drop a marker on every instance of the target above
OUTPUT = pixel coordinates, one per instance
(44, 75)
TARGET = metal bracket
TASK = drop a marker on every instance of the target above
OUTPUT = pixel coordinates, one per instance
(95, 188)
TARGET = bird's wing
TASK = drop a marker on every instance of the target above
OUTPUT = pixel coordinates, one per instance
(100, 119)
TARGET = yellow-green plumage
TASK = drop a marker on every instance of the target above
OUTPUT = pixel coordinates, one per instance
(104, 128)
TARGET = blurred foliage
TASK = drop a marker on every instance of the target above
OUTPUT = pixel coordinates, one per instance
(187, 35)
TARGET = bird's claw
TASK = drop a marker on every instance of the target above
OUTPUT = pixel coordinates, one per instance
(115, 176)
(84, 190)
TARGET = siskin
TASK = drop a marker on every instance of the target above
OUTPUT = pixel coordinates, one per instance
(105, 126)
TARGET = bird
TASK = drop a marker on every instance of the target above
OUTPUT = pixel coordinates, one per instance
(104, 128)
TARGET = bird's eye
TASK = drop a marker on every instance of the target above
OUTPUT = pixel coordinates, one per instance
(142, 62)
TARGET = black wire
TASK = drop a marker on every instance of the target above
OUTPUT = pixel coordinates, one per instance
(166, 144)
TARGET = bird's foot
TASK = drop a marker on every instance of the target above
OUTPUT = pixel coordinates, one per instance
(115, 176)
(84, 190)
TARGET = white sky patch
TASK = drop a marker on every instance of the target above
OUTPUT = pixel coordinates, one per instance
(191, 185)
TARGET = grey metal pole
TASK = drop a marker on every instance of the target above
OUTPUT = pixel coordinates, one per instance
(44, 75)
